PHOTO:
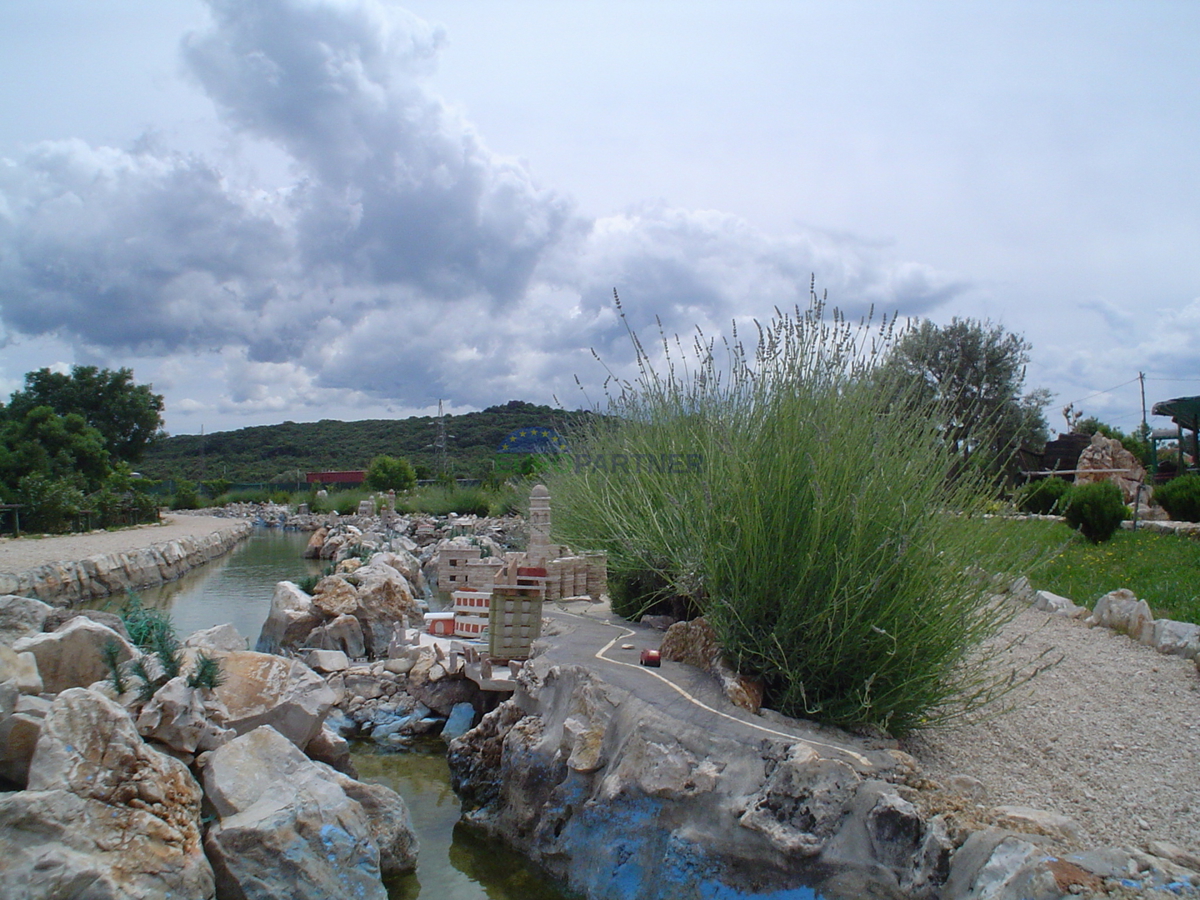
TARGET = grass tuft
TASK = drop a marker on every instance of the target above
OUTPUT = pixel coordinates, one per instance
(801, 504)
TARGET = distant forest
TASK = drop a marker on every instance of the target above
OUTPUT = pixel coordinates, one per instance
(284, 453)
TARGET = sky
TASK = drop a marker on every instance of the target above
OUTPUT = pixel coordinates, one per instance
(279, 210)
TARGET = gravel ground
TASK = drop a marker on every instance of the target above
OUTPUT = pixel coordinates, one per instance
(1110, 737)
(18, 555)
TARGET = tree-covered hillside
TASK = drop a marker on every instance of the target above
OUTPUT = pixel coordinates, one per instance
(285, 452)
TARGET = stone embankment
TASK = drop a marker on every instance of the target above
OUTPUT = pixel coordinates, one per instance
(65, 582)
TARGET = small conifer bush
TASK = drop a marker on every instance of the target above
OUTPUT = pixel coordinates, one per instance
(1042, 497)
(1180, 497)
(1095, 510)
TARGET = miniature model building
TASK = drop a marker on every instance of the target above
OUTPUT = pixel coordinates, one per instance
(512, 590)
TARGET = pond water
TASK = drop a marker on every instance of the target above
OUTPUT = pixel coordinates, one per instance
(237, 587)
(454, 863)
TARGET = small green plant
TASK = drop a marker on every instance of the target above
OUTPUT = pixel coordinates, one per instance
(111, 653)
(1042, 497)
(207, 674)
(151, 630)
(308, 583)
(1180, 497)
(150, 683)
(1094, 510)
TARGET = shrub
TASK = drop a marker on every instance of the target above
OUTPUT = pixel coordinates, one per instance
(308, 583)
(1042, 497)
(386, 473)
(839, 579)
(1095, 510)
(185, 496)
(51, 505)
(1180, 497)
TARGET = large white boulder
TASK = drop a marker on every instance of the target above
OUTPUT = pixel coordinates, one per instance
(74, 655)
(105, 816)
(291, 618)
(263, 689)
(21, 617)
(1122, 611)
(178, 717)
(287, 827)
(218, 639)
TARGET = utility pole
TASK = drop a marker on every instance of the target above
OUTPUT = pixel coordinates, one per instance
(1145, 427)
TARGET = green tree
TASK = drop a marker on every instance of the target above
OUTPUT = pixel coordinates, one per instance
(48, 462)
(127, 415)
(386, 473)
(42, 442)
(973, 373)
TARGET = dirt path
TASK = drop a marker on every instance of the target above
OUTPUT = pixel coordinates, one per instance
(21, 554)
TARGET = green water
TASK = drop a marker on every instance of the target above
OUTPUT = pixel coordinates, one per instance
(235, 588)
(454, 863)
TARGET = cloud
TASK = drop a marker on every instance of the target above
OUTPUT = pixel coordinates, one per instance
(404, 263)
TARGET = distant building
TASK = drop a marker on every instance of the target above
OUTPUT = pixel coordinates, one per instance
(335, 477)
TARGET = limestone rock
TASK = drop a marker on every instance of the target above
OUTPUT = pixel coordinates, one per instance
(287, 826)
(803, 802)
(18, 739)
(385, 602)
(389, 823)
(344, 634)
(21, 669)
(262, 689)
(459, 722)
(291, 618)
(104, 815)
(998, 865)
(1176, 638)
(60, 617)
(335, 596)
(327, 660)
(218, 639)
(1121, 611)
(178, 717)
(331, 748)
(21, 617)
(402, 562)
(315, 542)
(74, 656)
(1107, 453)
(693, 643)
(475, 757)
(1056, 605)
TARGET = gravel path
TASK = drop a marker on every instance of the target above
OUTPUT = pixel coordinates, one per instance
(1110, 737)
(21, 554)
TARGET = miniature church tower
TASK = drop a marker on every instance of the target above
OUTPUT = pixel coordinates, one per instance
(538, 552)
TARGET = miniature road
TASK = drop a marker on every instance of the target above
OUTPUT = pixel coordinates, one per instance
(598, 641)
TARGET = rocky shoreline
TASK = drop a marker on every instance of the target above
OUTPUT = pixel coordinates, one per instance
(62, 583)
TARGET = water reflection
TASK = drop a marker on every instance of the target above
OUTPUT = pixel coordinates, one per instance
(455, 863)
(235, 588)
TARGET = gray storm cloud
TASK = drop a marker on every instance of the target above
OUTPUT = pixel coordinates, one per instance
(407, 261)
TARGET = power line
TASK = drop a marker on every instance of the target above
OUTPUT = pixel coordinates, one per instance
(1107, 390)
